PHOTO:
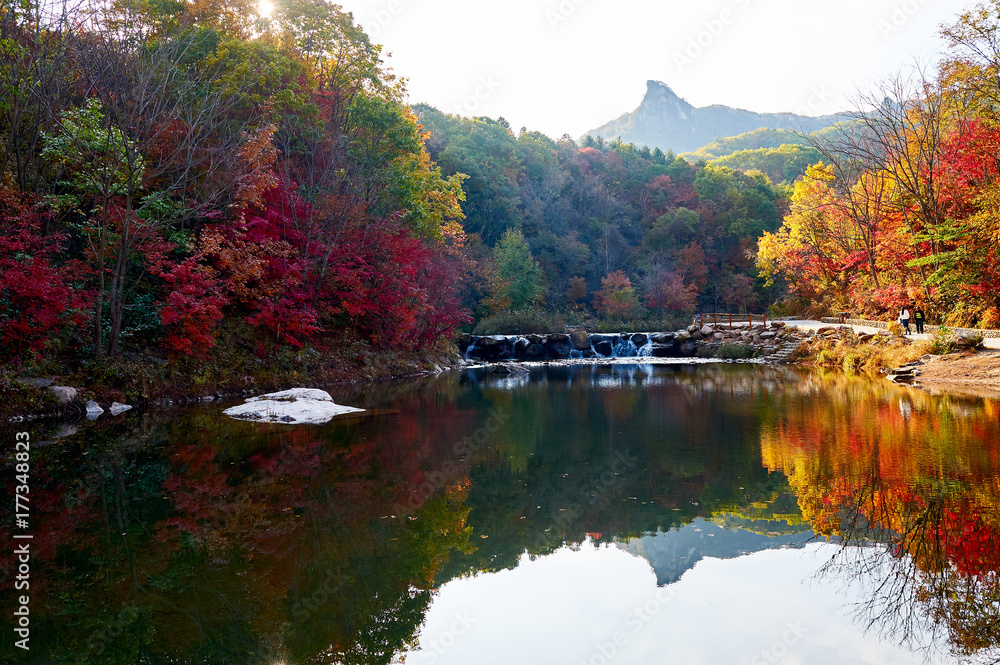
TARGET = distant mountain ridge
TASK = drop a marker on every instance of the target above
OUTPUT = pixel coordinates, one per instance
(673, 553)
(666, 121)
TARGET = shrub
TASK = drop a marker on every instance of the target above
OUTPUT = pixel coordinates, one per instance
(134, 380)
(662, 323)
(942, 341)
(19, 398)
(524, 322)
(732, 351)
(853, 362)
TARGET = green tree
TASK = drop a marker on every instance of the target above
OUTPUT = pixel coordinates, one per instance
(520, 273)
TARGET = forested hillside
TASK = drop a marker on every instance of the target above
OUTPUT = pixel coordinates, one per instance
(759, 139)
(783, 164)
(623, 230)
(183, 176)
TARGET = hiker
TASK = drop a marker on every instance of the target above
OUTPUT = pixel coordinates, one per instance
(918, 318)
(904, 319)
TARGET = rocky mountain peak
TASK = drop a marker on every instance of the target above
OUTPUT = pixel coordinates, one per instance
(667, 121)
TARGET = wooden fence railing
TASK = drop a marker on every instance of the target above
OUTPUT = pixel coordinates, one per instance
(715, 318)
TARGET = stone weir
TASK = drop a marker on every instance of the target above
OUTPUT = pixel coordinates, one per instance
(562, 346)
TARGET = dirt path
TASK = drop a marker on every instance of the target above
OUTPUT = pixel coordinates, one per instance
(957, 372)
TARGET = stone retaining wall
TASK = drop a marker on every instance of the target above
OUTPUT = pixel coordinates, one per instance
(927, 327)
(704, 342)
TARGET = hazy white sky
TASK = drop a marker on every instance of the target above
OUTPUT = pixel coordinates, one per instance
(563, 66)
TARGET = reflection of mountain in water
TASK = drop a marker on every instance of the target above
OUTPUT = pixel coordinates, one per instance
(673, 553)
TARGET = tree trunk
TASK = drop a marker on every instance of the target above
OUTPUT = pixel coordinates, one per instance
(98, 306)
(117, 301)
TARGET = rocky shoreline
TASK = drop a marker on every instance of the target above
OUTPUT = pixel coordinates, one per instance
(777, 342)
(45, 399)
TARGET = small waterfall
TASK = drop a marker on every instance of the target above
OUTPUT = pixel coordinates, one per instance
(621, 345)
(624, 348)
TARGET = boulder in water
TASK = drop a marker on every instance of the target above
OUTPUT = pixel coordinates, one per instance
(604, 347)
(117, 408)
(535, 351)
(581, 341)
(486, 348)
(559, 346)
(299, 406)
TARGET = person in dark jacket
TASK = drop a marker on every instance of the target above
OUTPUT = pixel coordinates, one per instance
(918, 319)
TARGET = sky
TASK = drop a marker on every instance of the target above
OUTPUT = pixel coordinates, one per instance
(596, 606)
(568, 66)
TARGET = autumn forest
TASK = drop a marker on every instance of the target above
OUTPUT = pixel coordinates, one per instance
(182, 180)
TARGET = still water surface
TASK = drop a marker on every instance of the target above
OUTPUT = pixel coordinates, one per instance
(591, 514)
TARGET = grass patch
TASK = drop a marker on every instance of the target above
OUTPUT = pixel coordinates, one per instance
(733, 351)
(526, 322)
(848, 352)
(19, 399)
(639, 324)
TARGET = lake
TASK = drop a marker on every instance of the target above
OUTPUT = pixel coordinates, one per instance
(594, 514)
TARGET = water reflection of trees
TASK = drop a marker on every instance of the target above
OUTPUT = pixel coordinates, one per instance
(911, 485)
(199, 540)
(550, 477)
(187, 541)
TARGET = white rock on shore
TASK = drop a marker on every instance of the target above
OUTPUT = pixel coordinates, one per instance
(118, 407)
(299, 406)
(93, 410)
